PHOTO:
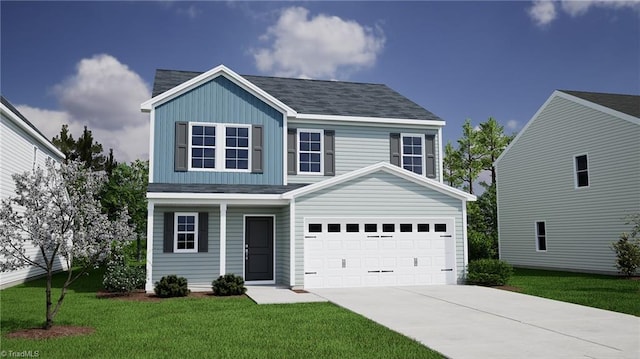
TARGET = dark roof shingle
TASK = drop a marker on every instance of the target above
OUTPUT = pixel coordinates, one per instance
(320, 97)
(629, 104)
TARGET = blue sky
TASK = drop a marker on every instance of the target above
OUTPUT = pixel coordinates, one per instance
(92, 63)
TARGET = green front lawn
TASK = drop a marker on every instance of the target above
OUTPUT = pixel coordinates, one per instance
(599, 291)
(197, 327)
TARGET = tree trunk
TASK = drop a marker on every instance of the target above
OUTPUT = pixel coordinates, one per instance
(49, 317)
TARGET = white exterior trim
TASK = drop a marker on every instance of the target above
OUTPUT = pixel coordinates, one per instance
(285, 130)
(152, 140)
(220, 147)
(28, 129)
(589, 104)
(369, 120)
(292, 243)
(535, 231)
(423, 160)
(195, 232)
(244, 243)
(213, 196)
(389, 168)
(440, 157)
(575, 172)
(465, 240)
(223, 238)
(298, 132)
(219, 70)
(148, 287)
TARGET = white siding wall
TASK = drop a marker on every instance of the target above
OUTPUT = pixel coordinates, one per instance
(536, 183)
(19, 152)
(377, 194)
(358, 147)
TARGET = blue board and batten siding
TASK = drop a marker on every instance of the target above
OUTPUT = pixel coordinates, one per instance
(536, 182)
(217, 101)
(378, 194)
(360, 146)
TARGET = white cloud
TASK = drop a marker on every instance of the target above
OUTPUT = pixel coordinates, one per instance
(104, 95)
(191, 12)
(323, 46)
(512, 125)
(543, 12)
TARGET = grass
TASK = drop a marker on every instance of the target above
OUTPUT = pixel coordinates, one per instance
(599, 291)
(197, 327)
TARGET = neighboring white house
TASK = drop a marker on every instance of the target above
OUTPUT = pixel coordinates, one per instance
(22, 147)
(567, 182)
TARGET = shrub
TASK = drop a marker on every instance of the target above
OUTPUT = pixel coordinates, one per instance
(627, 250)
(228, 284)
(489, 272)
(123, 278)
(171, 286)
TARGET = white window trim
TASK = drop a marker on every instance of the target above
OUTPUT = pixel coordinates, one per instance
(321, 132)
(220, 148)
(175, 232)
(535, 229)
(423, 154)
(575, 171)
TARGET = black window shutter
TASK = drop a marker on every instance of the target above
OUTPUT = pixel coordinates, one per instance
(182, 144)
(257, 158)
(167, 245)
(203, 232)
(292, 145)
(329, 153)
(394, 149)
(430, 152)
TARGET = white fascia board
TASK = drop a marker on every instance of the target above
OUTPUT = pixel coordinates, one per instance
(219, 70)
(331, 119)
(389, 168)
(597, 107)
(176, 198)
(33, 133)
(152, 142)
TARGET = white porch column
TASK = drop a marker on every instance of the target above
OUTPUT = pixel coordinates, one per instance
(223, 238)
(292, 243)
(150, 209)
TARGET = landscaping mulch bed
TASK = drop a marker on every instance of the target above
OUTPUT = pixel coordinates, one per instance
(57, 331)
(142, 296)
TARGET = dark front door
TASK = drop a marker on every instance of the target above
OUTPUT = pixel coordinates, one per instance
(258, 255)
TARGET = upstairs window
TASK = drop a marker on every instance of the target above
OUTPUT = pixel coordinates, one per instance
(203, 146)
(237, 148)
(310, 151)
(413, 153)
(581, 164)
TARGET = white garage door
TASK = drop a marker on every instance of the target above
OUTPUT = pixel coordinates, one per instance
(367, 252)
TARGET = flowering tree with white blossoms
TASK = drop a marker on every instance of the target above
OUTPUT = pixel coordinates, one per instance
(58, 211)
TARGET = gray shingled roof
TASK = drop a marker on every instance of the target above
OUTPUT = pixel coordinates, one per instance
(222, 188)
(320, 97)
(629, 104)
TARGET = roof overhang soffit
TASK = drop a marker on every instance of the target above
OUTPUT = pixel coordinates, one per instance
(220, 70)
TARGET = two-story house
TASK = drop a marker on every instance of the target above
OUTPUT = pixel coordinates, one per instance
(301, 183)
(568, 182)
(22, 148)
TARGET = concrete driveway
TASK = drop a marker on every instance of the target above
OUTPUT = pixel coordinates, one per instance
(477, 322)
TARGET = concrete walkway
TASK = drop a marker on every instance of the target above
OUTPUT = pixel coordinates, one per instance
(280, 295)
(477, 322)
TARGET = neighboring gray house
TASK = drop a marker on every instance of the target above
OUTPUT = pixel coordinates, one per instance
(568, 180)
(301, 183)
(22, 148)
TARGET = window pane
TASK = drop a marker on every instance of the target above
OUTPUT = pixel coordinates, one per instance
(232, 142)
(581, 163)
(542, 243)
(244, 154)
(406, 227)
(243, 164)
(333, 227)
(304, 136)
(423, 227)
(440, 227)
(304, 157)
(315, 167)
(210, 131)
(541, 228)
(231, 164)
(583, 179)
(209, 164)
(304, 167)
(370, 227)
(231, 131)
(196, 163)
(315, 227)
(197, 130)
(197, 141)
(388, 227)
(353, 227)
(208, 152)
(315, 136)
(243, 142)
(243, 132)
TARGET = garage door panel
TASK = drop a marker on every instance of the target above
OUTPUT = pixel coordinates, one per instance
(384, 258)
